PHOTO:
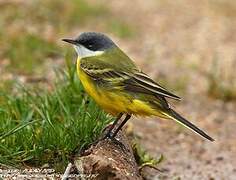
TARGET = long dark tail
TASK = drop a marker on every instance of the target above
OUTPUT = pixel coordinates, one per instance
(178, 118)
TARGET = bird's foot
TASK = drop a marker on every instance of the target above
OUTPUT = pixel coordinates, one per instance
(111, 136)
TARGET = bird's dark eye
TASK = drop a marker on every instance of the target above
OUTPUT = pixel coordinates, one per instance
(95, 41)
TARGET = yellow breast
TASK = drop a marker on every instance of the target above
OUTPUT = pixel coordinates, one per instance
(113, 102)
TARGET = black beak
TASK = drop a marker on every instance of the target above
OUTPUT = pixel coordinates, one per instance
(71, 41)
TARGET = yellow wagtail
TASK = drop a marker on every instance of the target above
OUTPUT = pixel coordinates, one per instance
(113, 80)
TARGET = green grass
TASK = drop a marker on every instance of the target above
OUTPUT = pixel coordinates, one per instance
(38, 126)
(62, 15)
(28, 52)
(30, 32)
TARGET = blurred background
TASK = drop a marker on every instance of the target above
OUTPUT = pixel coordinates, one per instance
(187, 46)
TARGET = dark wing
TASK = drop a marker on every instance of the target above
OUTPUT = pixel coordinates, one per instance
(141, 82)
(131, 81)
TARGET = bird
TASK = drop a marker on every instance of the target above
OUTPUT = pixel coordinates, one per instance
(118, 86)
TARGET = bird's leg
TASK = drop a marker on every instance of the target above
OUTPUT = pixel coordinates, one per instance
(113, 125)
(128, 116)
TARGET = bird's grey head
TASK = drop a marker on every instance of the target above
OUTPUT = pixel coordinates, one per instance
(91, 43)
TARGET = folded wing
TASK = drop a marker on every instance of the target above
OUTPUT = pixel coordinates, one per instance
(143, 82)
(135, 81)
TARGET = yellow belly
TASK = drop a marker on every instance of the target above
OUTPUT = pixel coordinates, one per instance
(113, 102)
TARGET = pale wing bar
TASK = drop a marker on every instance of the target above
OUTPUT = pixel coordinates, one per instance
(138, 81)
(105, 74)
